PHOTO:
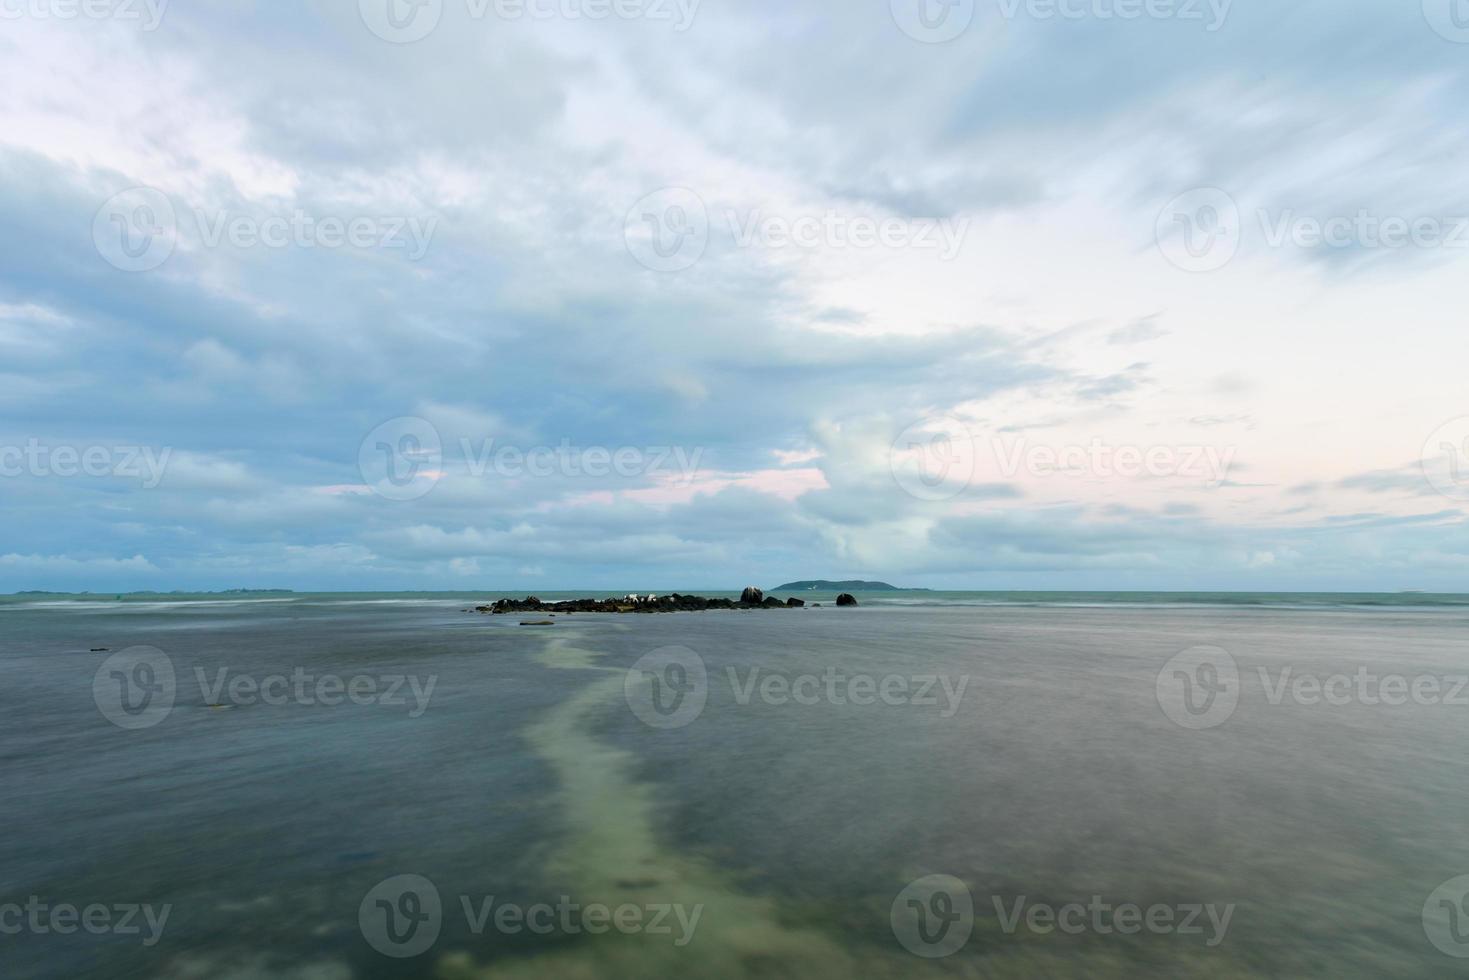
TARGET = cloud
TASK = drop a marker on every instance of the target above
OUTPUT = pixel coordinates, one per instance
(787, 372)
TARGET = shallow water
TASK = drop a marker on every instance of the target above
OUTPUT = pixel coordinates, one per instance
(1041, 767)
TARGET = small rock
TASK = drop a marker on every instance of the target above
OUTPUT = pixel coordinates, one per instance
(752, 596)
(846, 599)
(538, 622)
(794, 603)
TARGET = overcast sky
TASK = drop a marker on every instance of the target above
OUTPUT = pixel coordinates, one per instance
(657, 294)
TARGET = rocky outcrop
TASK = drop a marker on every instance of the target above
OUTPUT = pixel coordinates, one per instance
(794, 603)
(752, 596)
(846, 599)
(637, 604)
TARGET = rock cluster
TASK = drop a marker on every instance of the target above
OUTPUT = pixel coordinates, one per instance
(751, 598)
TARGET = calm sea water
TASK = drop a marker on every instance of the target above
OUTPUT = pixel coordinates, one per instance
(796, 773)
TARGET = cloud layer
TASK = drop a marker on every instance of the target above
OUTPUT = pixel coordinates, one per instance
(380, 310)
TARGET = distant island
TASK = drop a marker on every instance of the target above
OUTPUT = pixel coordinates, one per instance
(824, 585)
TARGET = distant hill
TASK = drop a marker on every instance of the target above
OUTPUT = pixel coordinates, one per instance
(822, 585)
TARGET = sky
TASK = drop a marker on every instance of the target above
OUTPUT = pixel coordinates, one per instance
(665, 294)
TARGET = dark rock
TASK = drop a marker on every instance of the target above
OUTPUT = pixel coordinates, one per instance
(846, 599)
(624, 604)
(752, 596)
(794, 603)
(541, 622)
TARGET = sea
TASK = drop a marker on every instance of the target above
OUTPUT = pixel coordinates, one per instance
(930, 784)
